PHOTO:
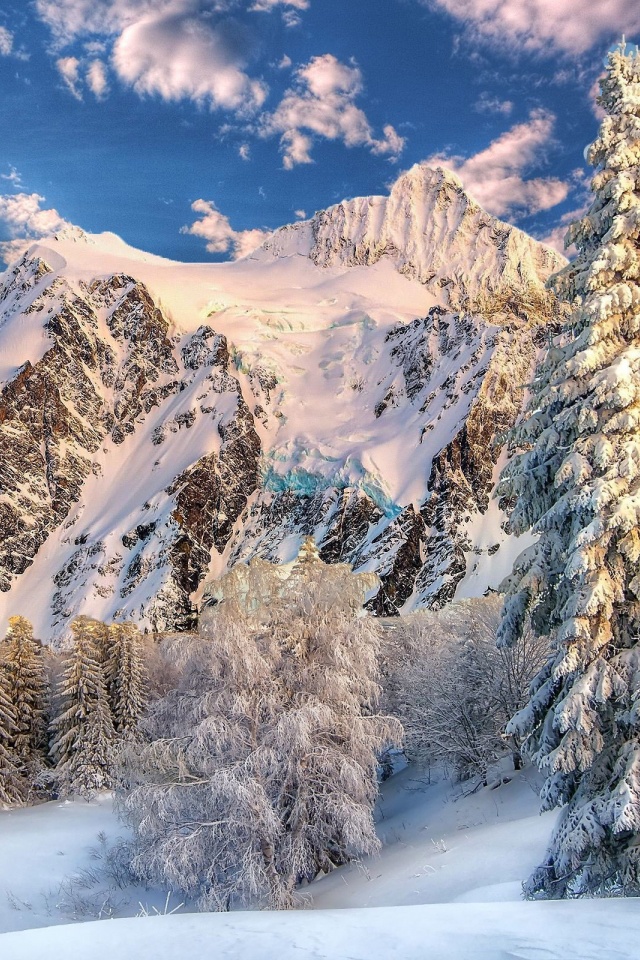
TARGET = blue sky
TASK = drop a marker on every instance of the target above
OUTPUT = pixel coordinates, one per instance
(186, 126)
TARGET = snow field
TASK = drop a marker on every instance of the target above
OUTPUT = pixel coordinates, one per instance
(573, 930)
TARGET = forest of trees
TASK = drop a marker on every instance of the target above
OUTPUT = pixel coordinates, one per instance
(62, 715)
(246, 757)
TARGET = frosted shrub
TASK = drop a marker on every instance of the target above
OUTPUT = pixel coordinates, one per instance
(261, 767)
(454, 690)
(576, 484)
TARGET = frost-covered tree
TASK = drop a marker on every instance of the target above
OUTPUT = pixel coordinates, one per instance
(82, 729)
(576, 480)
(13, 788)
(262, 766)
(453, 690)
(126, 677)
(27, 691)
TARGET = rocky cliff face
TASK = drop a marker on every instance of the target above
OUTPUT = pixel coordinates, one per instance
(460, 378)
(160, 422)
(108, 363)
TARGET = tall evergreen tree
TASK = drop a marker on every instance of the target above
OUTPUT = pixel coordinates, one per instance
(12, 784)
(127, 680)
(576, 480)
(26, 689)
(83, 728)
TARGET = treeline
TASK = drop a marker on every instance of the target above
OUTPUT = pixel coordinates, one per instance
(61, 715)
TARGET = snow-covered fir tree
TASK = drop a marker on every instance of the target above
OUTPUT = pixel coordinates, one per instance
(262, 766)
(576, 478)
(82, 730)
(27, 691)
(13, 787)
(126, 676)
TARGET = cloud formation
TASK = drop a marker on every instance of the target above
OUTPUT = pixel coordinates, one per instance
(97, 79)
(174, 49)
(25, 220)
(214, 227)
(197, 51)
(77, 74)
(6, 42)
(179, 56)
(8, 47)
(69, 70)
(268, 5)
(13, 177)
(322, 104)
(544, 25)
(555, 238)
(290, 9)
(488, 104)
(496, 176)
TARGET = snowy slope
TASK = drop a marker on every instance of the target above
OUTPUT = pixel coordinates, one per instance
(159, 421)
(446, 885)
(574, 930)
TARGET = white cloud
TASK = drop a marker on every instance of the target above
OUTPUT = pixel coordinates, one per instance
(69, 70)
(496, 176)
(171, 48)
(285, 62)
(290, 9)
(68, 19)
(322, 104)
(23, 215)
(97, 79)
(555, 239)
(194, 50)
(244, 151)
(214, 227)
(6, 42)
(301, 214)
(488, 104)
(272, 4)
(184, 57)
(25, 220)
(76, 73)
(544, 25)
(13, 177)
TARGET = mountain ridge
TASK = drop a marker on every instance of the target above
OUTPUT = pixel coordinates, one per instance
(160, 421)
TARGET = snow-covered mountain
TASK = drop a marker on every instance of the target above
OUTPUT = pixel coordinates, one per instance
(160, 421)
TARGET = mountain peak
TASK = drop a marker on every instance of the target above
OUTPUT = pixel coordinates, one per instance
(433, 230)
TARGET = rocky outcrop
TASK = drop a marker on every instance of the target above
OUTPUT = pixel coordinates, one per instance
(56, 412)
(209, 497)
(108, 363)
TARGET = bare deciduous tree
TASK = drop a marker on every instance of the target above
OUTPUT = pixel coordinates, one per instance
(453, 689)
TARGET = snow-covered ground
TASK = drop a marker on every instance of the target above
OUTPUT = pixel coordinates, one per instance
(446, 885)
(575, 930)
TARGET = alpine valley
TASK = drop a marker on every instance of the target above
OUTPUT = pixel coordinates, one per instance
(352, 379)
